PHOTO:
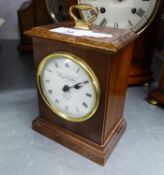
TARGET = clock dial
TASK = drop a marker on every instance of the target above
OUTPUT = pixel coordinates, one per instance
(69, 86)
(126, 14)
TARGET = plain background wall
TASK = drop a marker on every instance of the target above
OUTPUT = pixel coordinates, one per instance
(8, 11)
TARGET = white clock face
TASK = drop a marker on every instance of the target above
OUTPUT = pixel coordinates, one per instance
(69, 86)
(126, 14)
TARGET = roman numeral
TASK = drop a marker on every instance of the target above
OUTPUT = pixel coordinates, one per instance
(85, 105)
(66, 108)
(57, 101)
(78, 70)
(50, 91)
(47, 81)
(56, 64)
(103, 22)
(67, 65)
(116, 25)
(88, 95)
(49, 70)
(77, 109)
(140, 12)
(86, 81)
(130, 23)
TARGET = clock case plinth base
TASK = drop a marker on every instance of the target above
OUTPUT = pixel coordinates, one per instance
(95, 152)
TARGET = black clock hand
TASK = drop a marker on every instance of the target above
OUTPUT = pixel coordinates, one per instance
(76, 86)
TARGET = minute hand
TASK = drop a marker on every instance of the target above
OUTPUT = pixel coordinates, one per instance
(78, 85)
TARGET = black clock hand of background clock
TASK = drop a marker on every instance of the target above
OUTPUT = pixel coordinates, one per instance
(76, 86)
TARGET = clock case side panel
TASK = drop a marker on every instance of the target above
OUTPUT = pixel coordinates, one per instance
(92, 128)
(118, 82)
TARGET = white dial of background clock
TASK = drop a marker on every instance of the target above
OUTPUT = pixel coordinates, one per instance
(68, 86)
(126, 14)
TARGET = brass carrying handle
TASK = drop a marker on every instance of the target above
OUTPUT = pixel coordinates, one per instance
(81, 23)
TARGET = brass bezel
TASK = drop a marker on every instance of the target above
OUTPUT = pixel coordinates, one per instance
(145, 25)
(89, 72)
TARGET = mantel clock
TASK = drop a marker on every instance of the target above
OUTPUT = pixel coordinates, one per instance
(81, 93)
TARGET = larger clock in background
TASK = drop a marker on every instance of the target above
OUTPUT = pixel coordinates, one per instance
(127, 14)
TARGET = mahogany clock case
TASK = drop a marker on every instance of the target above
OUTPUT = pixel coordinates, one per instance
(96, 137)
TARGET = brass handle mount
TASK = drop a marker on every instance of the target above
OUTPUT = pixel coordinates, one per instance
(82, 24)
